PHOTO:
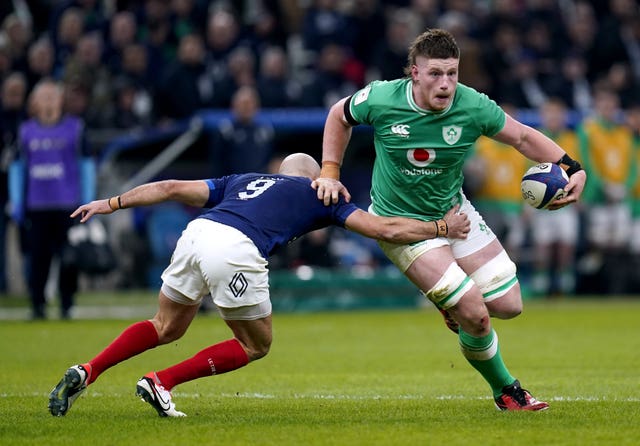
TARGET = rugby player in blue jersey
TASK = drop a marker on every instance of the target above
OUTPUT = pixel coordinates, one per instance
(224, 253)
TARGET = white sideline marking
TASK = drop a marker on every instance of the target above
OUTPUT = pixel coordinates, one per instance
(303, 396)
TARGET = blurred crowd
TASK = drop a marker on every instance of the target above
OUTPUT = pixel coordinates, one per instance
(135, 63)
(128, 64)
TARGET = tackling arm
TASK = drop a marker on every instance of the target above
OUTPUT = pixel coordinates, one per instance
(408, 230)
(192, 193)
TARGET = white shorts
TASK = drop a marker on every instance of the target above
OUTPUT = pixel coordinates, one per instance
(479, 237)
(562, 225)
(212, 258)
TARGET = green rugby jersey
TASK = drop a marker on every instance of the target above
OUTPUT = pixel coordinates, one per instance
(420, 153)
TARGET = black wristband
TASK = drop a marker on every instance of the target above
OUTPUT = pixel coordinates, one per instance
(572, 165)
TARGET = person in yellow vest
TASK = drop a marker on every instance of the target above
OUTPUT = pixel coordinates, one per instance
(492, 176)
(633, 121)
(554, 234)
(607, 149)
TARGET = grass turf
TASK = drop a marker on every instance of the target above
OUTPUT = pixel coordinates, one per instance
(351, 378)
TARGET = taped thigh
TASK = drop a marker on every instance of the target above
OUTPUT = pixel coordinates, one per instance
(448, 291)
(496, 277)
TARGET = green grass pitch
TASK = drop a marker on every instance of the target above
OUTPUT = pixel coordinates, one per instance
(341, 378)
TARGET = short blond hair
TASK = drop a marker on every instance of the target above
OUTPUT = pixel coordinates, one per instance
(433, 44)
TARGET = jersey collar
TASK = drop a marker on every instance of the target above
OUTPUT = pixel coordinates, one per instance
(418, 109)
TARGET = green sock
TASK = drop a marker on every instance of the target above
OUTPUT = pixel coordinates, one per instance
(484, 355)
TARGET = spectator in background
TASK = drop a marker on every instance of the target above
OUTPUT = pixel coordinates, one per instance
(35, 13)
(241, 71)
(325, 24)
(619, 78)
(607, 148)
(391, 54)
(18, 36)
(276, 87)
(571, 83)
(243, 143)
(370, 25)
(539, 41)
(329, 81)
(525, 86)
(131, 107)
(77, 97)
(473, 72)
(155, 30)
(266, 24)
(633, 121)
(428, 12)
(40, 61)
(501, 53)
(122, 32)
(92, 11)
(135, 66)
(53, 174)
(314, 250)
(222, 37)
(67, 35)
(582, 26)
(615, 36)
(555, 250)
(86, 63)
(6, 63)
(180, 92)
(12, 113)
(186, 17)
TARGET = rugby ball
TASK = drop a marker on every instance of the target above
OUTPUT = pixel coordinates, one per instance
(542, 184)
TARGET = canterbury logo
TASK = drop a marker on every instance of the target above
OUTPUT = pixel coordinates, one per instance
(400, 130)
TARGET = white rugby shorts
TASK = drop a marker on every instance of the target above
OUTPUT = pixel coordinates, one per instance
(479, 236)
(212, 258)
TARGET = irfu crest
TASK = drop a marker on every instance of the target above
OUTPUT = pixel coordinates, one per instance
(451, 134)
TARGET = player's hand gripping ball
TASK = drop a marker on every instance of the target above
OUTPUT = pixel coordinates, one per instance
(542, 184)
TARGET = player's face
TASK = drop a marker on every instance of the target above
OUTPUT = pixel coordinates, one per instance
(434, 82)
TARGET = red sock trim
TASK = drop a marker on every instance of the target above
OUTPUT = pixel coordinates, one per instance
(214, 360)
(134, 340)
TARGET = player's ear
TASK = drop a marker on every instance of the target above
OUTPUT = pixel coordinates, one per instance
(414, 72)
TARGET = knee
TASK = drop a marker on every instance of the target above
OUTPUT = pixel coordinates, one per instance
(257, 350)
(168, 331)
(472, 315)
(507, 306)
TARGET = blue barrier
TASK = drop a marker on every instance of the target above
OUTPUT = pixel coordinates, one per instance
(283, 120)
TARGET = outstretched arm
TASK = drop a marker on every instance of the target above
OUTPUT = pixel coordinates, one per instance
(336, 136)
(192, 193)
(536, 146)
(408, 230)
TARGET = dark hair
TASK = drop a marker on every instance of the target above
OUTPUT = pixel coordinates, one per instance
(432, 44)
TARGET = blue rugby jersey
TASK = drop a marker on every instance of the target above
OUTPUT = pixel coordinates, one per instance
(271, 210)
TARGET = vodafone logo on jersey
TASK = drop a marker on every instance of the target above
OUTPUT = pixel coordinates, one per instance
(421, 157)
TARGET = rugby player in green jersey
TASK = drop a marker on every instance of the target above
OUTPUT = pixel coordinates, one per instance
(424, 125)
